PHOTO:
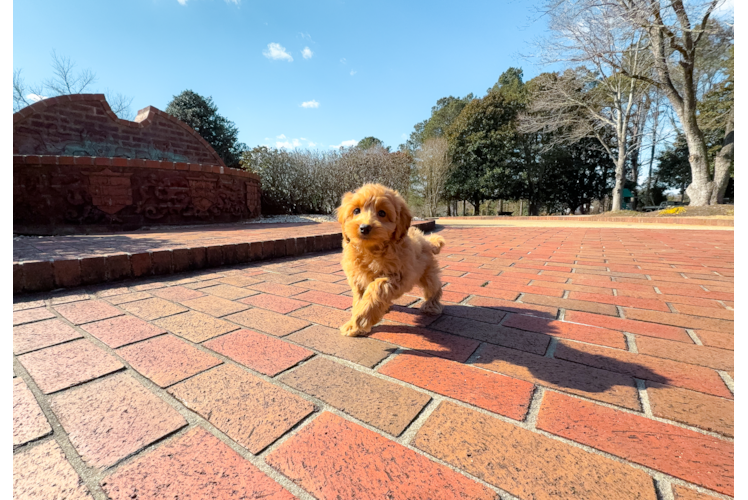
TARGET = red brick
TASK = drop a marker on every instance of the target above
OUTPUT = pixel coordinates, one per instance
(65, 365)
(150, 309)
(627, 325)
(195, 326)
(65, 297)
(665, 371)
(282, 279)
(673, 299)
(141, 264)
(656, 305)
(196, 464)
(360, 350)
(682, 320)
(577, 305)
(281, 305)
(695, 291)
(353, 462)
(492, 333)
(719, 359)
(716, 339)
(327, 299)
(276, 289)
(113, 418)
(33, 336)
(67, 273)
(516, 307)
(410, 316)
(536, 289)
(524, 463)
(385, 405)
(593, 335)
(87, 311)
(483, 291)
(252, 412)
(685, 454)
(38, 276)
(22, 305)
(259, 352)
(268, 322)
(167, 360)
(613, 388)
(491, 391)
(683, 493)
(709, 312)
(692, 408)
(43, 472)
(330, 278)
(429, 341)
(31, 315)
(177, 293)
(93, 270)
(321, 286)
(17, 277)
(228, 291)
(128, 297)
(122, 330)
(450, 296)
(29, 423)
(327, 316)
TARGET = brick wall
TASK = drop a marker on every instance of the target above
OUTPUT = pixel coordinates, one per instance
(84, 125)
(66, 194)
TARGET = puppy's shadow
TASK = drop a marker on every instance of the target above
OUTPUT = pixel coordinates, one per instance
(473, 335)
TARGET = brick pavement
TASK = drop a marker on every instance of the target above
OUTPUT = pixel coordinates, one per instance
(568, 363)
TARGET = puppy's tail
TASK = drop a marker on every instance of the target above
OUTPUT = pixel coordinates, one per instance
(437, 242)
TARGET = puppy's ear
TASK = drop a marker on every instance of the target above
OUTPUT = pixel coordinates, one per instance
(342, 210)
(403, 219)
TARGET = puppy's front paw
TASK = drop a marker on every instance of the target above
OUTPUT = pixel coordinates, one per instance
(432, 308)
(350, 329)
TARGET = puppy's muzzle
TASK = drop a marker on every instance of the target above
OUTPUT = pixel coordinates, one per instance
(364, 229)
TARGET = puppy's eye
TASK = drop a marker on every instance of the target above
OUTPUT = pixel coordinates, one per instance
(356, 211)
(382, 213)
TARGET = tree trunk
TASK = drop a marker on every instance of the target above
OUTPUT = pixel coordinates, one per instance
(476, 206)
(463, 208)
(534, 209)
(521, 207)
(700, 189)
(617, 196)
(722, 162)
(501, 207)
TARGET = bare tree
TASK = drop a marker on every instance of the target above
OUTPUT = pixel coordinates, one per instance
(675, 31)
(433, 165)
(597, 95)
(66, 80)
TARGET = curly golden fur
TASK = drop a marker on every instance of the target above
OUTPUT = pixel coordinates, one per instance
(383, 257)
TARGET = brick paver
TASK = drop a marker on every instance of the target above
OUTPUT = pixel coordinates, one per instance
(29, 422)
(113, 418)
(334, 458)
(122, 330)
(382, 404)
(252, 412)
(87, 311)
(259, 352)
(65, 365)
(167, 360)
(689, 455)
(558, 348)
(194, 465)
(524, 463)
(43, 472)
(195, 326)
(33, 336)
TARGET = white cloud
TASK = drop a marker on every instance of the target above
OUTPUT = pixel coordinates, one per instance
(312, 144)
(343, 60)
(182, 2)
(307, 53)
(725, 9)
(353, 72)
(35, 97)
(345, 144)
(310, 104)
(404, 135)
(235, 2)
(293, 143)
(282, 136)
(277, 52)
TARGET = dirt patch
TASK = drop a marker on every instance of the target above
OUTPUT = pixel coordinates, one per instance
(716, 211)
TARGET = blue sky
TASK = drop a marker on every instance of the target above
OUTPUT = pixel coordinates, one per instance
(371, 68)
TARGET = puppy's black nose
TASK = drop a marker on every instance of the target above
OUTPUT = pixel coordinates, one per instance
(364, 228)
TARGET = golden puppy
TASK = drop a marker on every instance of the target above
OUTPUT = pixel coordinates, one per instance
(383, 257)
